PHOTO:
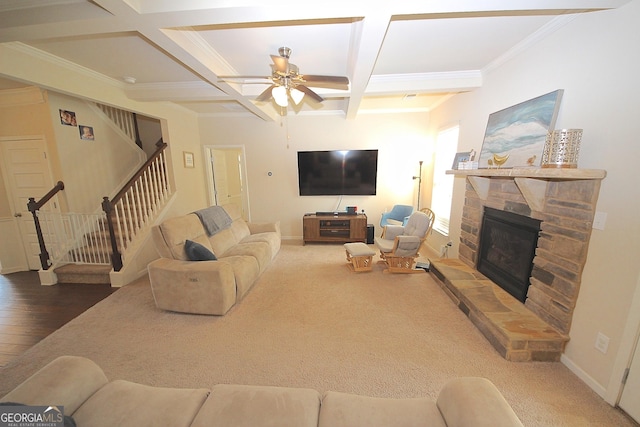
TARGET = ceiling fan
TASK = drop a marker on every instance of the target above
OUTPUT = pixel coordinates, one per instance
(287, 82)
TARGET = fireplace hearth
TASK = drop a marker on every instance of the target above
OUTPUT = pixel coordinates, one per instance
(508, 244)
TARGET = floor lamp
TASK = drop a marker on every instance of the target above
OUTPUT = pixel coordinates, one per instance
(419, 178)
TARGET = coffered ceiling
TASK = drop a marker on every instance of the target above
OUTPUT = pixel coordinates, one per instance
(399, 56)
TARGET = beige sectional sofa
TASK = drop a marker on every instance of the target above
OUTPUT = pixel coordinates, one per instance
(243, 251)
(92, 400)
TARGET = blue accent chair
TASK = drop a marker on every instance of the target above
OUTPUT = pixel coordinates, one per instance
(398, 215)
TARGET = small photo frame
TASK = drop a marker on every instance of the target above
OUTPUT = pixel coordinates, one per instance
(86, 133)
(188, 159)
(464, 156)
(68, 118)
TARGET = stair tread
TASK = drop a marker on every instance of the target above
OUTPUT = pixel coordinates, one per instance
(83, 269)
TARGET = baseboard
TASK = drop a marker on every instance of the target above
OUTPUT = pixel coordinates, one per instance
(13, 270)
(586, 378)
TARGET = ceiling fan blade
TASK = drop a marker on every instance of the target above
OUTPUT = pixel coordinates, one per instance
(266, 94)
(310, 93)
(330, 82)
(281, 63)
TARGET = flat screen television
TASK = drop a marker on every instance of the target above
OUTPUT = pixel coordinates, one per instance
(337, 173)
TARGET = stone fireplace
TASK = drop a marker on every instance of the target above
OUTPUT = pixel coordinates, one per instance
(564, 203)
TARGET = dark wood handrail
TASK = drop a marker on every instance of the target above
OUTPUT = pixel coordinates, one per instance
(33, 207)
(108, 205)
(139, 173)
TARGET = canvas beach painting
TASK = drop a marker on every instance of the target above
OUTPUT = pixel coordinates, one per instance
(515, 136)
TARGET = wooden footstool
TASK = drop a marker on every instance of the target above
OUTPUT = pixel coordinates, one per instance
(359, 256)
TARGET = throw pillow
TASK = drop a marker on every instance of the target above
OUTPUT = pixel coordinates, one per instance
(197, 252)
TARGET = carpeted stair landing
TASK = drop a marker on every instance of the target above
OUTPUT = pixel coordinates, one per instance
(84, 273)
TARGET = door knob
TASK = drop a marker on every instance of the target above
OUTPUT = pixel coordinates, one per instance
(18, 215)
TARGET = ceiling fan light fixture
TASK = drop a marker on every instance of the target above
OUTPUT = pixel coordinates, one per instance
(296, 95)
(279, 94)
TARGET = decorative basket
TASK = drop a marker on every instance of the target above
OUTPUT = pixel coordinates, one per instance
(561, 148)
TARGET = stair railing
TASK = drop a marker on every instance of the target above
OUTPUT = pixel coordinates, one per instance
(132, 209)
(78, 238)
(34, 207)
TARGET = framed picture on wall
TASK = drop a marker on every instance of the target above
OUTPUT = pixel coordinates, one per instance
(86, 133)
(188, 159)
(515, 136)
(68, 118)
(461, 157)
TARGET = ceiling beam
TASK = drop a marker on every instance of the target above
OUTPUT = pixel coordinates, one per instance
(191, 50)
(366, 42)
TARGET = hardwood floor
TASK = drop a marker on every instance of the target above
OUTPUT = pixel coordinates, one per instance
(29, 311)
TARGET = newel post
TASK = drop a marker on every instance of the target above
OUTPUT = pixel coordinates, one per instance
(44, 255)
(116, 257)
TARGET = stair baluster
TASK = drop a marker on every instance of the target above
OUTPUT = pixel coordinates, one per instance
(130, 210)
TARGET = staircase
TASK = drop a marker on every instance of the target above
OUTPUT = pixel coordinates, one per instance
(90, 248)
(93, 248)
(90, 263)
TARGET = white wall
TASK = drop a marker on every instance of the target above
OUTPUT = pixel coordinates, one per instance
(400, 138)
(109, 160)
(595, 58)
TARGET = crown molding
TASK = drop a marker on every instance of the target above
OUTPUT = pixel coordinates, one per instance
(176, 91)
(542, 33)
(56, 61)
(22, 96)
(455, 81)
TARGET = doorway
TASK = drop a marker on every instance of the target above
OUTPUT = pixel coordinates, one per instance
(630, 396)
(226, 177)
(628, 363)
(27, 174)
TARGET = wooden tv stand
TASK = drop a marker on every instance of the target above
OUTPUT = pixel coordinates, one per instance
(337, 228)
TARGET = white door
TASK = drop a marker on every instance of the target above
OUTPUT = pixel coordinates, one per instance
(220, 181)
(227, 180)
(27, 175)
(630, 399)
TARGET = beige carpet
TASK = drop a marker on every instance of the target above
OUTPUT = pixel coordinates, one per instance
(310, 322)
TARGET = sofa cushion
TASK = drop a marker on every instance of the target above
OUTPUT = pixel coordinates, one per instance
(271, 238)
(123, 403)
(259, 406)
(261, 251)
(170, 236)
(198, 252)
(66, 381)
(222, 241)
(245, 269)
(240, 229)
(347, 410)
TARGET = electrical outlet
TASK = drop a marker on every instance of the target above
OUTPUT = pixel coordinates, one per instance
(602, 343)
(599, 220)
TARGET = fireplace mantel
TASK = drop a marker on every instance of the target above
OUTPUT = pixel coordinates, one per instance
(532, 182)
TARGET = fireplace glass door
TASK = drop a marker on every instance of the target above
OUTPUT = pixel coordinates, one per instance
(508, 243)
